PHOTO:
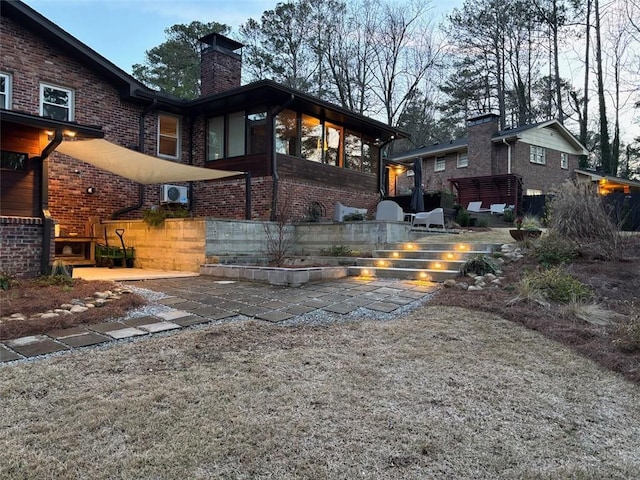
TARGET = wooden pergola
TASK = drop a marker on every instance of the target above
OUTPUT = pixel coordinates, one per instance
(489, 189)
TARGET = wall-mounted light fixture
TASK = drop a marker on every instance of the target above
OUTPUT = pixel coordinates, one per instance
(91, 190)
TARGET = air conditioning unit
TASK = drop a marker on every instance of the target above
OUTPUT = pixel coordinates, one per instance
(174, 194)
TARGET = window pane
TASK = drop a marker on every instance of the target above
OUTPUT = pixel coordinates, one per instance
(287, 132)
(3, 84)
(370, 154)
(13, 160)
(236, 134)
(311, 139)
(168, 136)
(56, 96)
(215, 138)
(257, 132)
(352, 151)
(332, 153)
(57, 113)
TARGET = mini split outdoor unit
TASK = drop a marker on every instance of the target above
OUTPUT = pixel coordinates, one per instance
(174, 194)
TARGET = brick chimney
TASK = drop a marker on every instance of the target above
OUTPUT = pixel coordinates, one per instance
(480, 129)
(220, 64)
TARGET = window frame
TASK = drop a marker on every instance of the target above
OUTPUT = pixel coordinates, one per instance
(442, 161)
(178, 136)
(462, 156)
(70, 107)
(564, 161)
(537, 155)
(8, 82)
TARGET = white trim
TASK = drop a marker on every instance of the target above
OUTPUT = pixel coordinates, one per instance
(177, 136)
(8, 83)
(70, 105)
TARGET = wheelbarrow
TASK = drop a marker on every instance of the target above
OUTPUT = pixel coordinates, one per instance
(128, 260)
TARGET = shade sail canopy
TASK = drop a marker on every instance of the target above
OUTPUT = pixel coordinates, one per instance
(136, 166)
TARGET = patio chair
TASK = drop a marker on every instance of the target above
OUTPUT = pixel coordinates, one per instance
(390, 211)
(434, 217)
(476, 207)
(340, 211)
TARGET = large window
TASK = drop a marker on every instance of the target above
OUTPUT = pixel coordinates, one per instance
(370, 155)
(5, 91)
(168, 136)
(332, 144)
(56, 102)
(311, 138)
(287, 133)
(215, 138)
(257, 132)
(353, 151)
(236, 134)
(537, 155)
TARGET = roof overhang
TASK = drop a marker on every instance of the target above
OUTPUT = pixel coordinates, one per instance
(137, 166)
(27, 120)
(554, 124)
(271, 94)
(610, 180)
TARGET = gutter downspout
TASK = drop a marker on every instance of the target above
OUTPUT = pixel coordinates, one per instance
(47, 221)
(381, 165)
(147, 109)
(504, 140)
(274, 163)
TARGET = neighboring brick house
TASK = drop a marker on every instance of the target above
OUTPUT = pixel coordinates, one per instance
(484, 164)
(295, 148)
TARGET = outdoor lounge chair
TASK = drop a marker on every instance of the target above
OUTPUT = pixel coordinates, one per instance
(341, 210)
(434, 217)
(390, 211)
(476, 207)
(497, 208)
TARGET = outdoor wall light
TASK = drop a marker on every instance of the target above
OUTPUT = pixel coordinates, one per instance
(91, 190)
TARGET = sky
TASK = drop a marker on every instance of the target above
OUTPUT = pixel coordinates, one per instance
(123, 30)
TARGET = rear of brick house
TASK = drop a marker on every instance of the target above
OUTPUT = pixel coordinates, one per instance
(298, 150)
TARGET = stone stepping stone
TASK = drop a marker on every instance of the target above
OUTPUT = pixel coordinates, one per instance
(383, 307)
(341, 308)
(117, 330)
(299, 309)
(7, 355)
(151, 324)
(315, 303)
(173, 315)
(78, 337)
(35, 345)
(275, 316)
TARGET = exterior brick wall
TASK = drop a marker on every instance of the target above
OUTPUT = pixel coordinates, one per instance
(541, 177)
(21, 246)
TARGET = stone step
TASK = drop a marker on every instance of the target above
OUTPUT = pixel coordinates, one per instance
(457, 247)
(412, 263)
(446, 255)
(404, 273)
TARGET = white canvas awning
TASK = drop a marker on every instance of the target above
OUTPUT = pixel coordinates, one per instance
(136, 166)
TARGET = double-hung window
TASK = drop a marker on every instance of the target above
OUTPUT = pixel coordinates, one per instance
(439, 164)
(564, 161)
(463, 160)
(56, 102)
(5, 91)
(168, 136)
(537, 155)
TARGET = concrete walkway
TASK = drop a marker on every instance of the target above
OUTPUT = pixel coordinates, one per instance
(196, 300)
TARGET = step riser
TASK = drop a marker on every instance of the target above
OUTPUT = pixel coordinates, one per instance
(407, 274)
(425, 255)
(430, 264)
(458, 247)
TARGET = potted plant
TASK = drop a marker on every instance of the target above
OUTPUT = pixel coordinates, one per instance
(527, 227)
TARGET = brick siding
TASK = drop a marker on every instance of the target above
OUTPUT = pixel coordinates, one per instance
(21, 246)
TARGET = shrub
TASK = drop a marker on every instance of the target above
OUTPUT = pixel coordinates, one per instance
(463, 218)
(578, 213)
(482, 222)
(553, 249)
(7, 281)
(628, 335)
(154, 217)
(353, 217)
(480, 265)
(557, 285)
(338, 251)
(508, 215)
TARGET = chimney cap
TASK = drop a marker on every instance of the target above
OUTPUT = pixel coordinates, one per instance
(217, 40)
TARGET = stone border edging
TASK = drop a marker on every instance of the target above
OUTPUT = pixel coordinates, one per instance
(290, 277)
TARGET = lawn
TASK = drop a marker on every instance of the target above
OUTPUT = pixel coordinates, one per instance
(442, 393)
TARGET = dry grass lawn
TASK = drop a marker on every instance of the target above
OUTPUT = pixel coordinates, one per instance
(441, 393)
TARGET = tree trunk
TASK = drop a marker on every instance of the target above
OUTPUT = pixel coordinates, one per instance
(605, 145)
